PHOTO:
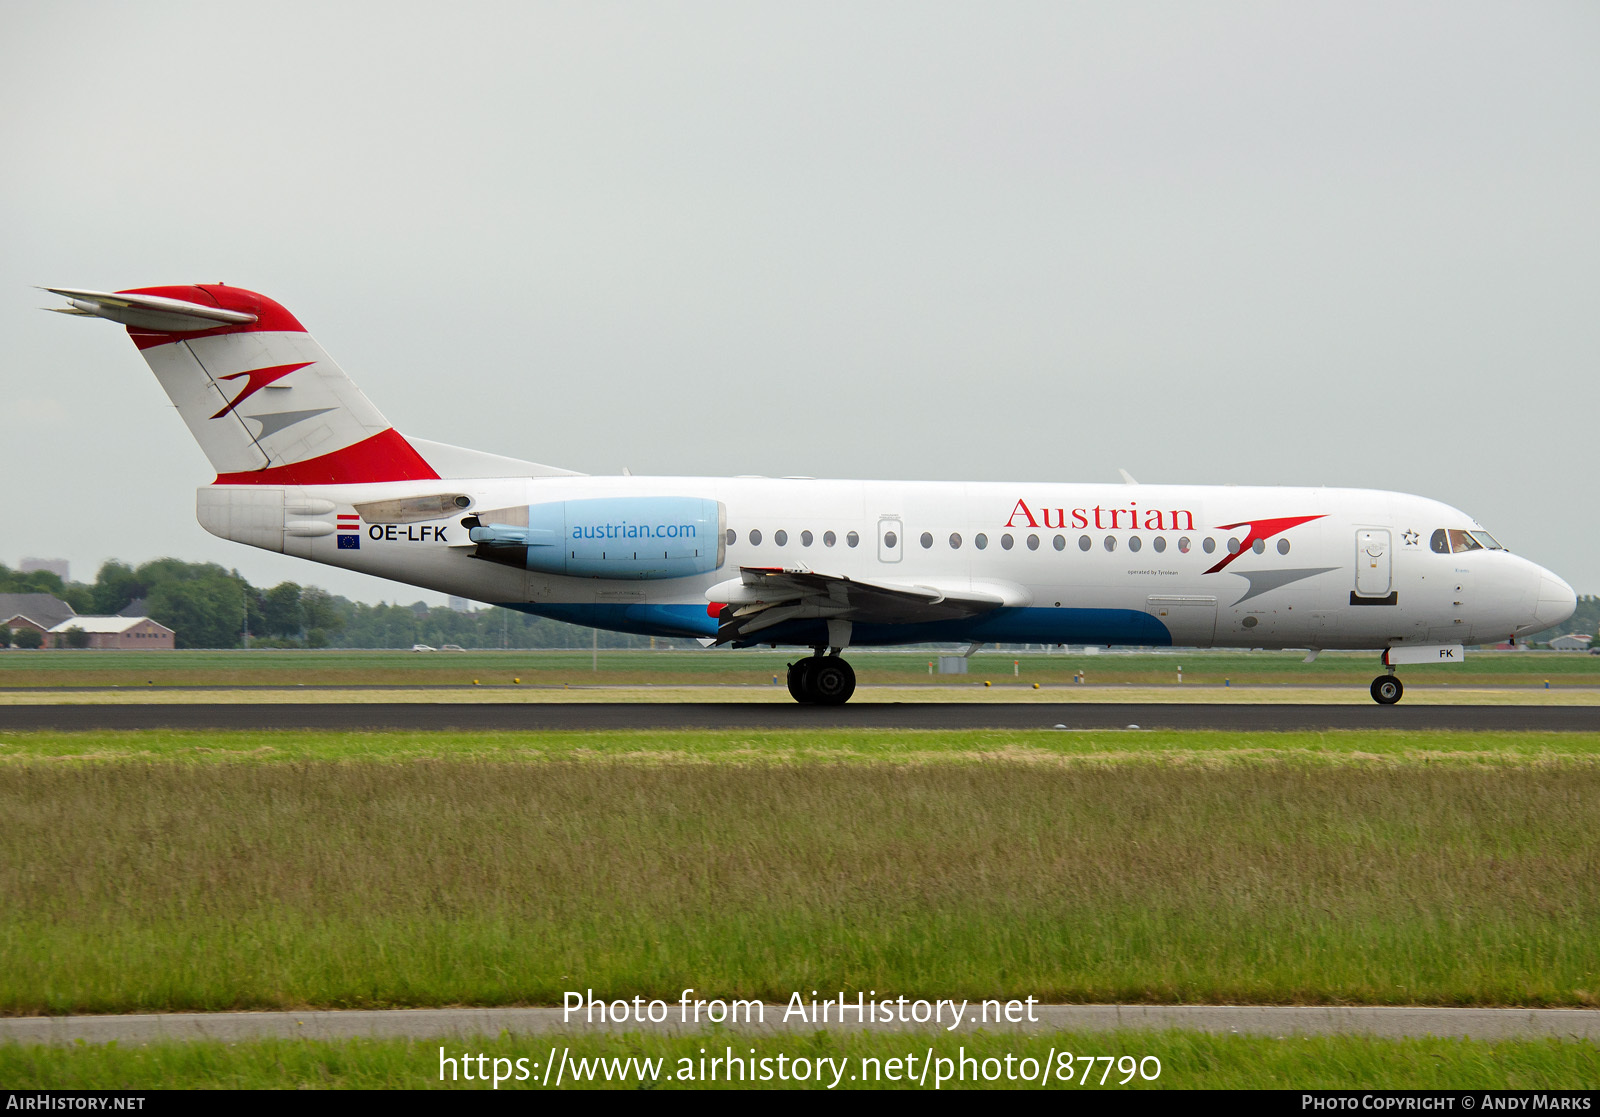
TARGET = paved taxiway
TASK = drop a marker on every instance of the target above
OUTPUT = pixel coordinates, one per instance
(425, 716)
(442, 1023)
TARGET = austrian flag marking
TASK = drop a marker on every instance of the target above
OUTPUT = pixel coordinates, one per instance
(349, 531)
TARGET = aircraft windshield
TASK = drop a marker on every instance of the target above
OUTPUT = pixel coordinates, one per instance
(1452, 541)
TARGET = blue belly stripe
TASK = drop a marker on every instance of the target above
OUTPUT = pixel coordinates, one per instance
(1010, 626)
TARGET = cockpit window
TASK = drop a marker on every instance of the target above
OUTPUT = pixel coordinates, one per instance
(1455, 540)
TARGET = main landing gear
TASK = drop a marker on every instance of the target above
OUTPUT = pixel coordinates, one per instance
(1387, 689)
(822, 680)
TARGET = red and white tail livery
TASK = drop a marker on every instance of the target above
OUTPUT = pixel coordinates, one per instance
(264, 400)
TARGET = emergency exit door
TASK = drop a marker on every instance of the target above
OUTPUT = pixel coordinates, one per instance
(1374, 574)
(891, 538)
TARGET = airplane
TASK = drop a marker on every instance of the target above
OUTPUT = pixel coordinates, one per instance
(306, 466)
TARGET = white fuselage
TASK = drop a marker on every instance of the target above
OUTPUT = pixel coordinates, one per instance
(1072, 563)
(306, 465)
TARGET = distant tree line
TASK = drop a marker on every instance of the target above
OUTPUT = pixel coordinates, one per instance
(1586, 620)
(210, 607)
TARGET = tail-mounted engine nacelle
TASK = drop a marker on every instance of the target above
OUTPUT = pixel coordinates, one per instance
(607, 537)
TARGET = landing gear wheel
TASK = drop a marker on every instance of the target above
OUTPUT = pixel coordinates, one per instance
(1386, 690)
(800, 688)
(832, 680)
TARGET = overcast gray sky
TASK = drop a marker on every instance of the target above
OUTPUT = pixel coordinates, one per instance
(1264, 243)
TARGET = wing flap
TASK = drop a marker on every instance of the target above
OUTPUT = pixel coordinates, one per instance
(762, 597)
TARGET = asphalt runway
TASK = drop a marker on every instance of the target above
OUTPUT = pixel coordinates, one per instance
(425, 716)
(461, 1023)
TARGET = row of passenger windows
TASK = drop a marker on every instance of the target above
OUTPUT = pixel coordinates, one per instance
(781, 538)
(981, 541)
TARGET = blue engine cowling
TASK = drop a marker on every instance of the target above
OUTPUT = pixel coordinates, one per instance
(608, 537)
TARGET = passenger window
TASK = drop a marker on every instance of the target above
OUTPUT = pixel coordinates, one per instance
(805, 538)
(1183, 544)
(1084, 543)
(1005, 541)
(733, 537)
(890, 540)
(854, 540)
(1111, 542)
(1134, 544)
(1283, 546)
(926, 540)
(955, 541)
(1440, 543)
(1033, 542)
(1208, 545)
(1159, 543)
(829, 539)
(1259, 546)
(755, 537)
(1233, 544)
(1060, 542)
(980, 541)
(780, 537)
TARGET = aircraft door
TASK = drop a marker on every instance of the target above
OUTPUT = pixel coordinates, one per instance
(891, 539)
(1374, 573)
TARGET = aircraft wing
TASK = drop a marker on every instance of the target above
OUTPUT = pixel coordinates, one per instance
(765, 596)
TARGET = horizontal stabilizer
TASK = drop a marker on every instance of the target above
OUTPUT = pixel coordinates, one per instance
(147, 312)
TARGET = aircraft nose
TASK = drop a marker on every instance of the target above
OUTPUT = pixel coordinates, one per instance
(1556, 602)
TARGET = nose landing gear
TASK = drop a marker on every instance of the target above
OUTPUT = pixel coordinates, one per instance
(821, 680)
(1387, 689)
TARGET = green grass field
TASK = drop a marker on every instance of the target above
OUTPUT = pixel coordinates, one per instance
(756, 667)
(1187, 1061)
(1399, 749)
(200, 871)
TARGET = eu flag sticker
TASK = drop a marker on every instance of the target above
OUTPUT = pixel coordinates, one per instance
(349, 542)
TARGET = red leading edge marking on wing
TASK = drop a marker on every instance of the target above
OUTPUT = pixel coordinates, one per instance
(259, 378)
(1260, 529)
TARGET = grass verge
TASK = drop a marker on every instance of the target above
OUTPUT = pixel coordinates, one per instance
(1187, 1061)
(1426, 749)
